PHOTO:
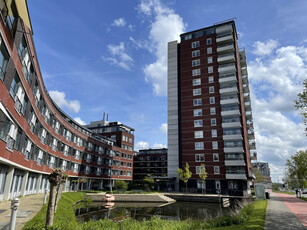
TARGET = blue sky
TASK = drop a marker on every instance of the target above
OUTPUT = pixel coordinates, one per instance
(110, 56)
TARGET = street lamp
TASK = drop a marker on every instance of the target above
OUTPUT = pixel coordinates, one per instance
(110, 175)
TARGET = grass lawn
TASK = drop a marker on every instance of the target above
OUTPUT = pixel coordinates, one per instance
(256, 221)
(303, 198)
(289, 193)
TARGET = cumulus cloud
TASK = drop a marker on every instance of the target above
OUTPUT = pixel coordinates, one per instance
(60, 99)
(141, 145)
(120, 22)
(79, 120)
(163, 128)
(275, 81)
(158, 146)
(165, 26)
(119, 57)
(265, 48)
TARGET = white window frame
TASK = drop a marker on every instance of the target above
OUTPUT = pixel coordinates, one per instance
(197, 102)
(211, 89)
(198, 134)
(197, 123)
(213, 121)
(197, 92)
(196, 112)
(212, 100)
(209, 50)
(195, 44)
(196, 62)
(200, 157)
(210, 79)
(196, 72)
(210, 60)
(213, 133)
(216, 155)
(209, 41)
(196, 82)
(199, 145)
(212, 111)
(210, 69)
(195, 53)
(215, 145)
(216, 170)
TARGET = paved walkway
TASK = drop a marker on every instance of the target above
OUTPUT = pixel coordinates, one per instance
(29, 206)
(285, 212)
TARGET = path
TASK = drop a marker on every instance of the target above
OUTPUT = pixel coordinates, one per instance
(29, 206)
(285, 212)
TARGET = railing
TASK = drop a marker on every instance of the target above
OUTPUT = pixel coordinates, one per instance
(228, 44)
(235, 172)
(223, 35)
(227, 75)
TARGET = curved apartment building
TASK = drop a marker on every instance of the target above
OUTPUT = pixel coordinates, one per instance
(36, 135)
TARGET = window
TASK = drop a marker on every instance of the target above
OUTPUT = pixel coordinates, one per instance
(210, 79)
(200, 157)
(195, 44)
(197, 102)
(212, 111)
(213, 122)
(198, 123)
(198, 169)
(211, 89)
(212, 100)
(213, 133)
(210, 69)
(199, 145)
(217, 171)
(195, 72)
(195, 53)
(209, 41)
(196, 92)
(196, 62)
(196, 81)
(188, 37)
(210, 60)
(201, 185)
(214, 145)
(197, 112)
(215, 157)
(198, 134)
(209, 50)
(4, 57)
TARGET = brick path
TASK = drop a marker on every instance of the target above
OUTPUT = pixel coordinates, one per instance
(285, 212)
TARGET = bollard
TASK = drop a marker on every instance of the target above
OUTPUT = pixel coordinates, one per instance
(14, 206)
(45, 197)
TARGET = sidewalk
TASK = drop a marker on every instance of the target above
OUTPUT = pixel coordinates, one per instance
(285, 212)
(29, 206)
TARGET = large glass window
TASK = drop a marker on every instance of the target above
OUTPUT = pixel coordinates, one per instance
(198, 123)
(197, 92)
(196, 62)
(195, 44)
(199, 145)
(196, 81)
(4, 57)
(195, 53)
(197, 102)
(200, 157)
(197, 112)
(195, 72)
(198, 134)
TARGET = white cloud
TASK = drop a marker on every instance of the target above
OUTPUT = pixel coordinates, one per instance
(61, 101)
(165, 27)
(158, 146)
(275, 81)
(119, 56)
(163, 128)
(79, 120)
(120, 22)
(141, 145)
(265, 48)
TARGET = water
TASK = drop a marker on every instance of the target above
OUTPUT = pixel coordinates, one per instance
(139, 211)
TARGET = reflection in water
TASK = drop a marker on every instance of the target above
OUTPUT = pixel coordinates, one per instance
(139, 211)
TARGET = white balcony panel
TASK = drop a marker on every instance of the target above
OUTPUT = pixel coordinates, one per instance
(226, 58)
(234, 162)
(228, 38)
(244, 71)
(230, 176)
(233, 137)
(229, 90)
(227, 48)
(228, 68)
(230, 112)
(245, 79)
(229, 101)
(253, 156)
(231, 124)
(228, 79)
(233, 150)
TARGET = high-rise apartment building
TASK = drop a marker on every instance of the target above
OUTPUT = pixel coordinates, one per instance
(209, 110)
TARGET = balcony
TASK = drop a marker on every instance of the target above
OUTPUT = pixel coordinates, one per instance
(248, 114)
(230, 112)
(224, 29)
(231, 67)
(232, 137)
(229, 47)
(229, 101)
(236, 175)
(244, 71)
(224, 38)
(247, 105)
(229, 78)
(231, 124)
(233, 149)
(245, 79)
(233, 89)
(245, 88)
(253, 156)
(252, 145)
(226, 58)
(238, 162)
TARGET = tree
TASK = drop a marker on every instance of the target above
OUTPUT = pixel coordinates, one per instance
(148, 182)
(203, 175)
(120, 185)
(83, 180)
(55, 178)
(259, 176)
(60, 190)
(301, 104)
(184, 175)
(297, 169)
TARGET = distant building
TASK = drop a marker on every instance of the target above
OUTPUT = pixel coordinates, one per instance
(151, 162)
(209, 110)
(264, 169)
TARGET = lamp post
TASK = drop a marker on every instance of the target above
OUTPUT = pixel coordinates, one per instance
(110, 176)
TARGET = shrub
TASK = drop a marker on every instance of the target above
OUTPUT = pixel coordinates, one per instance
(120, 185)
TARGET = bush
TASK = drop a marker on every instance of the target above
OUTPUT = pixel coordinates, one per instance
(120, 185)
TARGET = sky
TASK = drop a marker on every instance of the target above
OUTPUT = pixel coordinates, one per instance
(110, 56)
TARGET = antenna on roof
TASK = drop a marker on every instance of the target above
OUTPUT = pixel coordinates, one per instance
(103, 116)
(107, 117)
(224, 21)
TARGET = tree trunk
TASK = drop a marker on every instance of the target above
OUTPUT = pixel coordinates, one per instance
(50, 209)
(58, 196)
(186, 187)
